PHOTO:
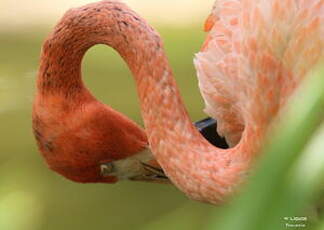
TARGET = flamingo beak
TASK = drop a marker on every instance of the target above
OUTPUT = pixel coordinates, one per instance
(139, 167)
(152, 173)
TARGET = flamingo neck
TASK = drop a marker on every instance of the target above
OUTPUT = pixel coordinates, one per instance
(60, 66)
(199, 169)
(106, 22)
(113, 24)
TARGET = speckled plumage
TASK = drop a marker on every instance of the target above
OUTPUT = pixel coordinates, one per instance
(255, 55)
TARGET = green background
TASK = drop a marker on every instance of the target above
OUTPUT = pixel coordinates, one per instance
(288, 180)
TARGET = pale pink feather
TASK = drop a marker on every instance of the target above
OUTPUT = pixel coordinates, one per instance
(256, 54)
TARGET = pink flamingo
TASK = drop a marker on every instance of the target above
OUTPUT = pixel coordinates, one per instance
(255, 55)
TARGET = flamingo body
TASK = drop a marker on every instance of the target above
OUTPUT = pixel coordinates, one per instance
(249, 65)
(255, 55)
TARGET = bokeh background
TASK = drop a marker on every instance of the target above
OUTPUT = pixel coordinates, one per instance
(34, 198)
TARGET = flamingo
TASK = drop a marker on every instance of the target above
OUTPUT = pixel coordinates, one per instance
(255, 55)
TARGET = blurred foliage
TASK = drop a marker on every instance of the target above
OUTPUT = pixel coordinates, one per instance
(289, 178)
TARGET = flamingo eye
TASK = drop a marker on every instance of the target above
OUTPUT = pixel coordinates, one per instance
(107, 168)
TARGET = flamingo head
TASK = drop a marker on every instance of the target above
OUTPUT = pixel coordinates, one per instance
(107, 168)
(105, 147)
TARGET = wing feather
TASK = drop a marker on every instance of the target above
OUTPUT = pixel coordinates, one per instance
(255, 54)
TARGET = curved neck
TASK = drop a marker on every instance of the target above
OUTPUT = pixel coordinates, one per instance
(196, 167)
(113, 24)
(110, 23)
